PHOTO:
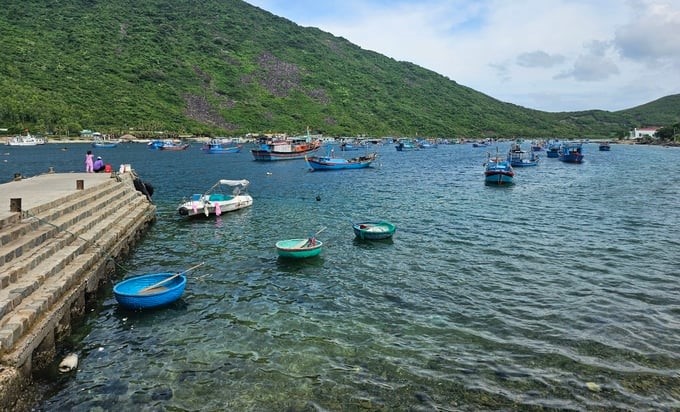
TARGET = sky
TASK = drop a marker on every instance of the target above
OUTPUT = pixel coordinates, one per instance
(550, 55)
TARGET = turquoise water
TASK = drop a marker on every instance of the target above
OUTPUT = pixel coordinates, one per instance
(559, 292)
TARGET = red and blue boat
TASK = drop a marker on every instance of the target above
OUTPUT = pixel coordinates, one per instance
(498, 171)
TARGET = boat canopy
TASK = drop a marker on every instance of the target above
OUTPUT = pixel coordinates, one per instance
(243, 182)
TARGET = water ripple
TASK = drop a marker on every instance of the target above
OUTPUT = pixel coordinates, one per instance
(559, 292)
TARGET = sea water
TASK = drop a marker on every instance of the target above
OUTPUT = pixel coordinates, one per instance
(558, 292)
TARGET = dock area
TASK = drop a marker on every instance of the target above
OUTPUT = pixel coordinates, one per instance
(60, 236)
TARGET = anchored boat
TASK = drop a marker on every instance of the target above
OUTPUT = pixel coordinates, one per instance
(215, 201)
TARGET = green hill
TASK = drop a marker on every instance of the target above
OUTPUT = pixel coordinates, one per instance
(226, 67)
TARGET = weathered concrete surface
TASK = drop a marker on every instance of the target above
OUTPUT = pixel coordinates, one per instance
(54, 256)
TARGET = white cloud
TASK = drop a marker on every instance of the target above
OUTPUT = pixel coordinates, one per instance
(554, 55)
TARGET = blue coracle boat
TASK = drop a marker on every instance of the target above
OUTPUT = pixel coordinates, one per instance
(150, 291)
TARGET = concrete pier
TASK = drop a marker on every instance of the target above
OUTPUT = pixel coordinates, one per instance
(60, 235)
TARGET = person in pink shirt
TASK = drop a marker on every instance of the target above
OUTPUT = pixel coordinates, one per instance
(89, 162)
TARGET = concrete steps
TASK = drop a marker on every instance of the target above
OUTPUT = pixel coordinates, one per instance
(46, 258)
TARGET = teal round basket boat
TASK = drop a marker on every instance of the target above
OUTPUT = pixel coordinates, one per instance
(150, 291)
(298, 248)
(374, 230)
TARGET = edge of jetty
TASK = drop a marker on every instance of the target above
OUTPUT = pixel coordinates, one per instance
(60, 237)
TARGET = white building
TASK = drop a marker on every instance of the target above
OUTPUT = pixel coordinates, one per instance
(643, 132)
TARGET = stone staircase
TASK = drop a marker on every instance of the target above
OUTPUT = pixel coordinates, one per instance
(54, 255)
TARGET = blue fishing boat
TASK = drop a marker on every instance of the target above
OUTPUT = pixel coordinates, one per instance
(405, 146)
(553, 151)
(150, 291)
(571, 153)
(498, 171)
(374, 230)
(337, 163)
(521, 158)
(103, 142)
(347, 146)
(217, 146)
(604, 146)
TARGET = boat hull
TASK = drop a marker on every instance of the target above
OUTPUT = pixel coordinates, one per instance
(127, 292)
(498, 179)
(335, 163)
(374, 230)
(174, 148)
(291, 248)
(268, 155)
(221, 150)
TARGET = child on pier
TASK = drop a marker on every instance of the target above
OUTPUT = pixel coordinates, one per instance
(89, 162)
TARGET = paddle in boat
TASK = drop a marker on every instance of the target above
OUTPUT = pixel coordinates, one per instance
(151, 290)
(374, 230)
(498, 171)
(300, 248)
(330, 162)
(215, 202)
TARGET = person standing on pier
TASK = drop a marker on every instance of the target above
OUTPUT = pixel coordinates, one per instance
(89, 162)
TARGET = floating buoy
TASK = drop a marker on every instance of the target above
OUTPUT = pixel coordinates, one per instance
(269, 173)
(69, 363)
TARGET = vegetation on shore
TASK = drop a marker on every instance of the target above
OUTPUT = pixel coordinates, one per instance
(228, 68)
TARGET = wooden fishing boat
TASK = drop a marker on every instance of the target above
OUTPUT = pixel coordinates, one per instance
(298, 147)
(217, 146)
(299, 248)
(173, 147)
(150, 291)
(103, 142)
(571, 153)
(406, 145)
(215, 201)
(337, 163)
(374, 230)
(498, 171)
(553, 150)
(521, 158)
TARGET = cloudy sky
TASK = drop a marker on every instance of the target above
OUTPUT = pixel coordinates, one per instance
(551, 55)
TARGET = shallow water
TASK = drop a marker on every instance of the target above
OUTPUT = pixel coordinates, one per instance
(560, 291)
